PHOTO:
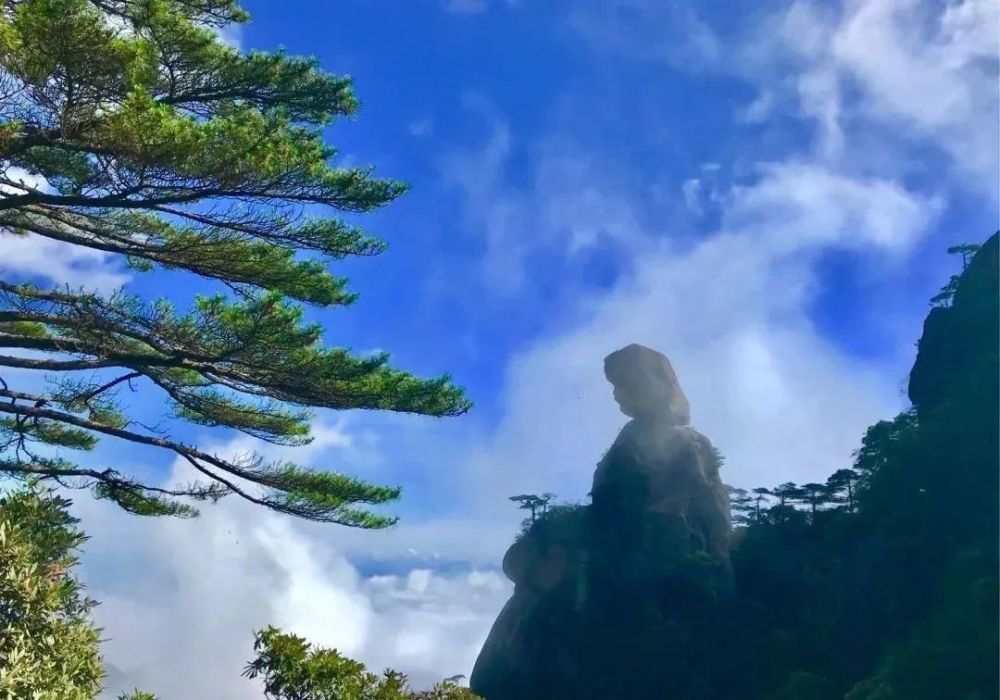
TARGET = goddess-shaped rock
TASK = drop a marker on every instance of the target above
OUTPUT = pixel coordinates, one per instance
(659, 483)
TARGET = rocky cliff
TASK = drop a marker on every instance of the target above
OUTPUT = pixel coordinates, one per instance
(960, 339)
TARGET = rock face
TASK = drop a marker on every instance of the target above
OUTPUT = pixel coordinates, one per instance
(954, 337)
(603, 591)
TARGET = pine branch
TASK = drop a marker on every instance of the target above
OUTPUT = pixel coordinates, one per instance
(289, 498)
(145, 137)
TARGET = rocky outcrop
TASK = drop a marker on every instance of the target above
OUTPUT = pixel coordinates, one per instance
(960, 339)
(603, 592)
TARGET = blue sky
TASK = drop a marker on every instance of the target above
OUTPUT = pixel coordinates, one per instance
(761, 190)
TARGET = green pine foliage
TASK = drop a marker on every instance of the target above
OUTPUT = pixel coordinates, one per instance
(292, 669)
(129, 127)
(48, 643)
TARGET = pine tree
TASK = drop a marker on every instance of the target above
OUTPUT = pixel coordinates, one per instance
(533, 503)
(760, 496)
(786, 494)
(841, 486)
(966, 251)
(814, 495)
(48, 641)
(742, 506)
(129, 127)
(292, 669)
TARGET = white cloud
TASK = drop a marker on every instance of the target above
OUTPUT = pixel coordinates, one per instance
(819, 94)
(899, 64)
(706, 190)
(927, 71)
(691, 191)
(924, 70)
(758, 111)
(44, 258)
(61, 263)
(188, 595)
(797, 203)
(232, 35)
(931, 68)
(21, 181)
(569, 209)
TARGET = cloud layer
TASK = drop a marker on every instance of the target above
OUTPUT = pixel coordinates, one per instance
(187, 595)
